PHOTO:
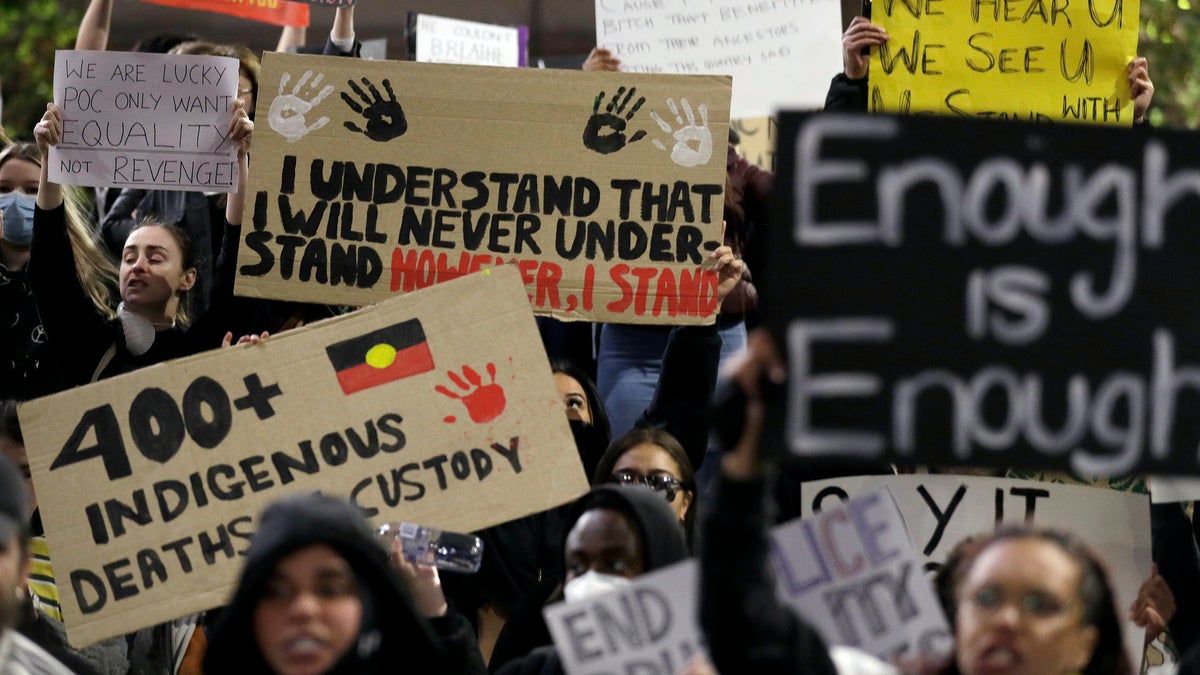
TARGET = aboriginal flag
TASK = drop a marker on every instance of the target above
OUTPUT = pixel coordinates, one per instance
(381, 356)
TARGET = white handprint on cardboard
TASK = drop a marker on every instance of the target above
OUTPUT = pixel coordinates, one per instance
(693, 142)
(288, 110)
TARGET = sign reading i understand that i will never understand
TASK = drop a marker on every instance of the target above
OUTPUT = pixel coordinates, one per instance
(377, 178)
(956, 292)
(437, 408)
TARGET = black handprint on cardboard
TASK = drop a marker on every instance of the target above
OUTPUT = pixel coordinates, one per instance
(605, 131)
(385, 117)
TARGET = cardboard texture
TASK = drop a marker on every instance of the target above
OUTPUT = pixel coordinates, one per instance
(277, 12)
(853, 574)
(940, 511)
(606, 188)
(1034, 61)
(781, 54)
(444, 40)
(650, 626)
(150, 121)
(956, 292)
(437, 408)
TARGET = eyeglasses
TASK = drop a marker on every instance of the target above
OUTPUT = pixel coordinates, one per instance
(659, 482)
(1035, 603)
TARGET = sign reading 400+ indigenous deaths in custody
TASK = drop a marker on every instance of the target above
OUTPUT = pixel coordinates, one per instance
(1034, 60)
(149, 121)
(376, 178)
(437, 408)
(961, 292)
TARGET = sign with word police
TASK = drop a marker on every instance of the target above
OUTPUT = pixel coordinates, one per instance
(780, 53)
(1033, 60)
(437, 408)
(379, 178)
(649, 626)
(957, 292)
(940, 511)
(152, 121)
(852, 573)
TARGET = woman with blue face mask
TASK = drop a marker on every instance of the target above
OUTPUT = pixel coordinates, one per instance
(24, 369)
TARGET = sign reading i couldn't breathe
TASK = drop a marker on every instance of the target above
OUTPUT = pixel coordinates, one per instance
(378, 178)
(437, 408)
(150, 121)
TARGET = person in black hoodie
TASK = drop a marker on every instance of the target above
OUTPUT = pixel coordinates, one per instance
(317, 596)
(614, 533)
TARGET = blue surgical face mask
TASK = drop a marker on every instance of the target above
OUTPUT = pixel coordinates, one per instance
(18, 217)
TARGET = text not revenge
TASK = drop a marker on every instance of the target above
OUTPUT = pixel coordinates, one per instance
(998, 203)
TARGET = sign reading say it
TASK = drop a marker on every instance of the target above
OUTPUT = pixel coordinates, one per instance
(377, 178)
(437, 408)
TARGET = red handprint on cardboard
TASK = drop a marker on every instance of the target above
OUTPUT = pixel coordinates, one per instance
(484, 402)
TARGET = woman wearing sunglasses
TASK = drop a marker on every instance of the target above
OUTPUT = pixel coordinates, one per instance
(653, 458)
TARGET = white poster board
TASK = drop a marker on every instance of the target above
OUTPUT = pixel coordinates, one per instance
(781, 54)
(151, 121)
(853, 574)
(940, 511)
(444, 40)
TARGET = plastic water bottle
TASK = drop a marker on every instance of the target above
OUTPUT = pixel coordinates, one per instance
(430, 546)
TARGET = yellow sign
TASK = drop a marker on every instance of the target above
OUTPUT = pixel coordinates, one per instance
(1035, 60)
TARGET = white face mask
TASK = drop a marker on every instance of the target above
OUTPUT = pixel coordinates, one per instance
(591, 584)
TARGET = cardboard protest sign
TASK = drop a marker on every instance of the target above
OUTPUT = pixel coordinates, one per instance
(443, 40)
(437, 408)
(151, 121)
(277, 12)
(649, 626)
(940, 511)
(781, 54)
(605, 188)
(853, 574)
(1030, 60)
(956, 292)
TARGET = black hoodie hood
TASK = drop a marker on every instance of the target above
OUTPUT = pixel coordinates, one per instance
(663, 543)
(294, 523)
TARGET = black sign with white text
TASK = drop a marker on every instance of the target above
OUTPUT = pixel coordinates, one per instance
(960, 292)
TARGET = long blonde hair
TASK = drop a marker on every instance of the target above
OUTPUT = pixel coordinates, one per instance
(96, 271)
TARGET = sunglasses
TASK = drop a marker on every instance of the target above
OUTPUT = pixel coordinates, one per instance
(668, 485)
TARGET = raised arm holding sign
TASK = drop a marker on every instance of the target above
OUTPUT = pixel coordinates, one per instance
(158, 269)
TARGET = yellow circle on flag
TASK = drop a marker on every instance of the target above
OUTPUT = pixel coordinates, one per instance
(381, 356)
